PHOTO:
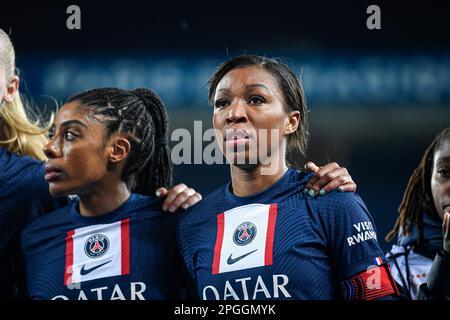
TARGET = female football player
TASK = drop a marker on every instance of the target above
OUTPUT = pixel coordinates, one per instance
(260, 236)
(421, 259)
(23, 190)
(111, 243)
(24, 193)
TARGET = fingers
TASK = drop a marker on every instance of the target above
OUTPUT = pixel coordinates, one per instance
(161, 192)
(311, 182)
(333, 180)
(446, 232)
(192, 200)
(328, 178)
(311, 167)
(172, 194)
(180, 199)
(348, 187)
(445, 229)
(181, 196)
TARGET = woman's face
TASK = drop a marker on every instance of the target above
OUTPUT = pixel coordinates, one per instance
(247, 104)
(77, 155)
(440, 179)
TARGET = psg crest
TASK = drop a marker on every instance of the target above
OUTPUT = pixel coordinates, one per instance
(96, 245)
(244, 233)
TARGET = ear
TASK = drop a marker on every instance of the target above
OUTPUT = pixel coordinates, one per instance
(293, 122)
(11, 88)
(120, 149)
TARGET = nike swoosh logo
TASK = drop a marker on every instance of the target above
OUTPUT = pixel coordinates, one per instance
(232, 261)
(85, 271)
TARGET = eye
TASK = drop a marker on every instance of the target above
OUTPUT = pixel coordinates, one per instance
(445, 173)
(256, 100)
(221, 103)
(69, 136)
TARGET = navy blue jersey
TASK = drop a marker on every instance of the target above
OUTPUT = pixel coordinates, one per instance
(281, 244)
(130, 253)
(23, 196)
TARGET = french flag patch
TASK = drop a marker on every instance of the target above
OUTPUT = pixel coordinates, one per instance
(378, 261)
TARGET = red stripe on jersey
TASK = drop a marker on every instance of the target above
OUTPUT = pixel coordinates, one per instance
(268, 256)
(69, 258)
(374, 283)
(125, 235)
(219, 240)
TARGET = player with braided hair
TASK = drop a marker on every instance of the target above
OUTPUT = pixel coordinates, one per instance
(111, 243)
(422, 227)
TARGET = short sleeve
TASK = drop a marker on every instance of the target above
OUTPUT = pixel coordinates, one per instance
(351, 233)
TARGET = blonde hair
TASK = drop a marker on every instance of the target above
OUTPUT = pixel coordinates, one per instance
(19, 134)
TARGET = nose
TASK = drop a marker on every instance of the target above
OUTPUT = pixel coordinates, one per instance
(51, 149)
(236, 113)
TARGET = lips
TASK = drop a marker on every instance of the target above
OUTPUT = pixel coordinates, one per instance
(235, 137)
(52, 173)
(234, 134)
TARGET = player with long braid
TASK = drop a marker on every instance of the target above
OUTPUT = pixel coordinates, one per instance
(421, 258)
(24, 193)
(112, 243)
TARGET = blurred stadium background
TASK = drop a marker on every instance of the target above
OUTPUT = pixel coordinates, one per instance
(376, 98)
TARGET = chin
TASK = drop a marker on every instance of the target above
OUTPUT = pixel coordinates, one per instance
(59, 192)
(247, 167)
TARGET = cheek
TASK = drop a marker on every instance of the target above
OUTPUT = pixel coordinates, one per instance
(87, 164)
(218, 120)
(438, 193)
(274, 124)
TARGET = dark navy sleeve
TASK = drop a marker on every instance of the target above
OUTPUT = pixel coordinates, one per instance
(359, 264)
(351, 234)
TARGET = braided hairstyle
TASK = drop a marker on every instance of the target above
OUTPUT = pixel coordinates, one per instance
(141, 116)
(418, 197)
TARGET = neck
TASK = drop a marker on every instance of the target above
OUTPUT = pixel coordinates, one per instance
(104, 199)
(246, 182)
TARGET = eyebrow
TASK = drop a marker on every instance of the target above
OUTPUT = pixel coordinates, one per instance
(248, 86)
(257, 85)
(70, 122)
(443, 159)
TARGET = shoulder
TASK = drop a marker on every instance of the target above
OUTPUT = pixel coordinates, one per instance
(21, 173)
(205, 209)
(46, 226)
(143, 203)
(13, 164)
(53, 218)
(342, 214)
(346, 203)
